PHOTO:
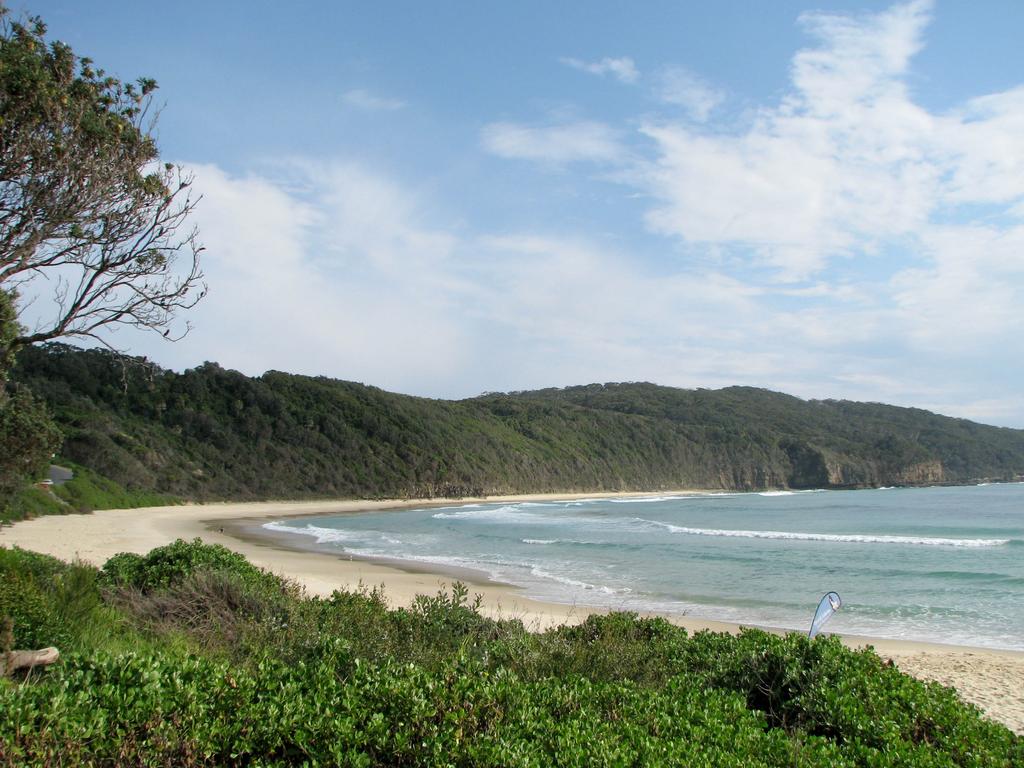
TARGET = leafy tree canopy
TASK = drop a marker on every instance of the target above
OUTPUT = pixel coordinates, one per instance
(28, 436)
(88, 217)
(92, 227)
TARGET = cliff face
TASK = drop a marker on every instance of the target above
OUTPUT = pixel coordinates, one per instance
(842, 475)
(872, 475)
(813, 467)
(808, 467)
(924, 473)
(209, 433)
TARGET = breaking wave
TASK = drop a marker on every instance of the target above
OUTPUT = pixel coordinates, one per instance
(506, 514)
(843, 538)
(570, 582)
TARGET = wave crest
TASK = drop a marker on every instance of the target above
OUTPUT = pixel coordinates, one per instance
(843, 538)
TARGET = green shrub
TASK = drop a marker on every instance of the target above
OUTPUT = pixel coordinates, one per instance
(29, 502)
(438, 627)
(50, 602)
(173, 563)
(186, 710)
(182, 709)
(37, 623)
(822, 688)
(235, 668)
(612, 647)
(88, 491)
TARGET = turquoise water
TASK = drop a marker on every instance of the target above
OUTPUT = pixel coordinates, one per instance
(934, 564)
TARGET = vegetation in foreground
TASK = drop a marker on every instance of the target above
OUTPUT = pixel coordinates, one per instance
(190, 656)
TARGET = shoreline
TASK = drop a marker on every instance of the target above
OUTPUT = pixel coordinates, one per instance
(989, 678)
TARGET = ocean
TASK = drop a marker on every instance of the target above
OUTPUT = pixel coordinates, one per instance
(943, 564)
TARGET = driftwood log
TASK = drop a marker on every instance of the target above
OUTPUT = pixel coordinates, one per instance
(15, 660)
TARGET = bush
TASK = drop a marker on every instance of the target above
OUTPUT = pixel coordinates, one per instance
(612, 647)
(853, 698)
(214, 608)
(186, 710)
(238, 669)
(173, 563)
(183, 709)
(50, 602)
(30, 502)
(440, 626)
(88, 491)
(28, 436)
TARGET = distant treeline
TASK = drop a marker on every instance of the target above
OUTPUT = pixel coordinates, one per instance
(211, 433)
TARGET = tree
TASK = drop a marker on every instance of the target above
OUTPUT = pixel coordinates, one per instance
(89, 221)
(89, 218)
(28, 436)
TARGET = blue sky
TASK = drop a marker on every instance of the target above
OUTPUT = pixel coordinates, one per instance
(443, 199)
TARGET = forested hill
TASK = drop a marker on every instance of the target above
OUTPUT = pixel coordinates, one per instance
(211, 433)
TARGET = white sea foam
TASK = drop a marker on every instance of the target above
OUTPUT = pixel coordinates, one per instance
(322, 535)
(491, 570)
(364, 540)
(541, 541)
(336, 536)
(507, 514)
(653, 499)
(791, 493)
(571, 582)
(844, 538)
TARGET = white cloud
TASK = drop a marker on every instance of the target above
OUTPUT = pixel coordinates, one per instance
(319, 269)
(568, 311)
(969, 296)
(622, 69)
(845, 242)
(861, 58)
(847, 168)
(1006, 410)
(363, 99)
(335, 269)
(843, 164)
(330, 269)
(683, 88)
(985, 144)
(582, 141)
(921, 213)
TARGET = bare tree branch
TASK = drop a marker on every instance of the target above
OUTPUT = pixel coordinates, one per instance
(85, 205)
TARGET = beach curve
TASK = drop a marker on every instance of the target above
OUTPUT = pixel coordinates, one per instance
(991, 679)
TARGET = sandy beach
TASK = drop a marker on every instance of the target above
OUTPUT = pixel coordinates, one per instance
(991, 679)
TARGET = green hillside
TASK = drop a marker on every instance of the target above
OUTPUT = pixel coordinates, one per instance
(210, 433)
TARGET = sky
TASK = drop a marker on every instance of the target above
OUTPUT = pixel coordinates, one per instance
(442, 199)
